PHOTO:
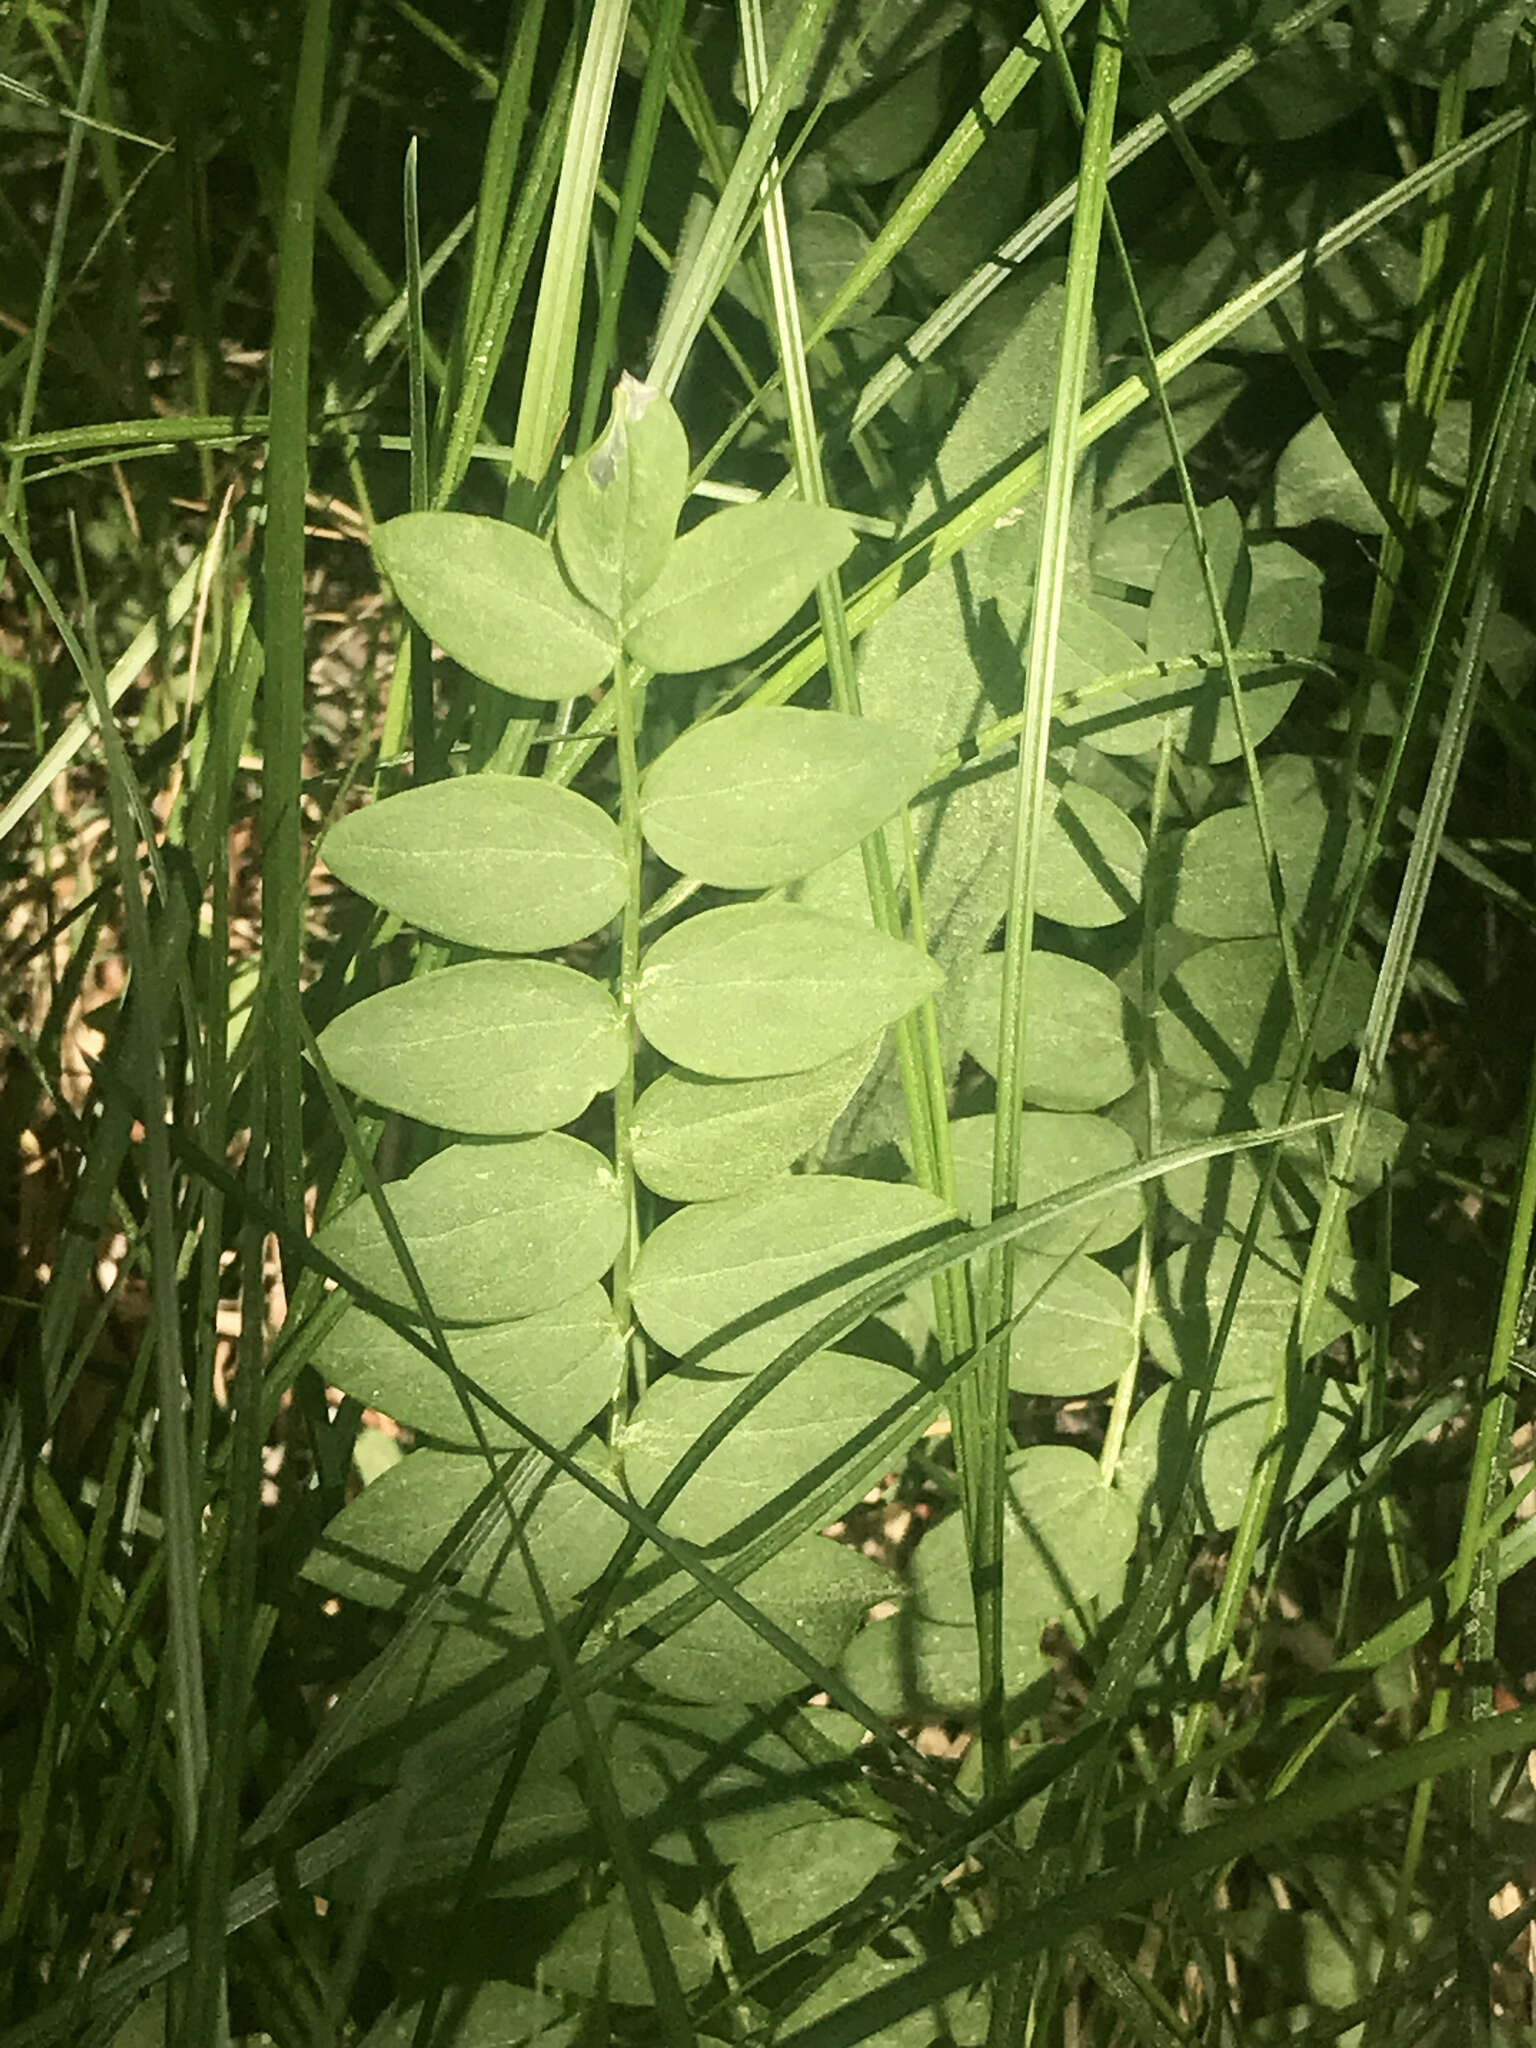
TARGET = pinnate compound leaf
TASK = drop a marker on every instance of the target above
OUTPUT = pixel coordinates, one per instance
(810, 1420)
(1234, 1440)
(816, 1590)
(732, 582)
(696, 1140)
(1058, 1149)
(619, 503)
(493, 597)
(495, 1047)
(553, 1370)
(1225, 1017)
(495, 1230)
(598, 1954)
(766, 795)
(705, 1278)
(804, 1873)
(770, 988)
(1077, 1051)
(502, 862)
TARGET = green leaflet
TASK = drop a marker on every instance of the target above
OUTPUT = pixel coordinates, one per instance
(1233, 1440)
(815, 1589)
(619, 502)
(770, 988)
(827, 247)
(498, 861)
(696, 1139)
(495, 1230)
(749, 1782)
(495, 2015)
(1224, 1016)
(804, 1873)
(542, 1842)
(1078, 1336)
(1315, 479)
(553, 1370)
(1219, 1193)
(732, 582)
(1077, 1052)
(1067, 1541)
(815, 1414)
(704, 1283)
(376, 1550)
(1191, 1286)
(1057, 1150)
(1137, 455)
(764, 796)
(598, 1954)
(1221, 890)
(493, 597)
(495, 1047)
(1092, 858)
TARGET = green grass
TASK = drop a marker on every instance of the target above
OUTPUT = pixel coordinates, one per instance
(594, 1456)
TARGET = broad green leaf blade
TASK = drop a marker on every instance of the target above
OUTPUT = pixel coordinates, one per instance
(553, 1370)
(816, 1590)
(910, 1668)
(1077, 1053)
(496, 2015)
(1092, 858)
(1067, 1541)
(770, 988)
(619, 503)
(1222, 891)
(493, 597)
(732, 582)
(495, 1047)
(764, 796)
(1057, 1149)
(1078, 1336)
(495, 1230)
(705, 1277)
(497, 861)
(747, 1781)
(1233, 1441)
(376, 1550)
(807, 1872)
(1191, 1286)
(827, 248)
(1224, 1016)
(1179, 618)
(1135, 457)
(598, 1954)
(1218, 1194)
(543, 1841)
(696, 1140)
(820, 1410)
